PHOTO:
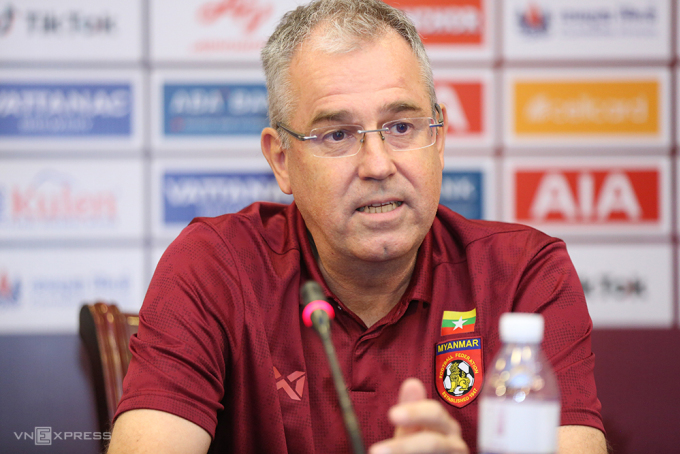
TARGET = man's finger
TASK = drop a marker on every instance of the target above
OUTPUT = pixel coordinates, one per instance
(430, 442)
(411, 390)
(425, 415)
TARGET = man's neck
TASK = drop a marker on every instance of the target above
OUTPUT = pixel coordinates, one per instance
(370, 290)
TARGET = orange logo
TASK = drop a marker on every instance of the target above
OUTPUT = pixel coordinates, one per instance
(297, 378)
(444, 21)
(463, 102)
(593, 196)
(611, 107)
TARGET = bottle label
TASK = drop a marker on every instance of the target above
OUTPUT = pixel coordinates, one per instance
(526, 427)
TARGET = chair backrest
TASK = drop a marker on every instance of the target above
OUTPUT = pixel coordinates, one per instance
(106, 332)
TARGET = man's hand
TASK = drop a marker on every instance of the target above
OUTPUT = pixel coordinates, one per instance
(422, 425)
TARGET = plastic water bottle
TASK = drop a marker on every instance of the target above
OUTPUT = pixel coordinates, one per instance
(519, 411)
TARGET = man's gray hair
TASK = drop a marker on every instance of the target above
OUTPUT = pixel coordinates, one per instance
(347, 24)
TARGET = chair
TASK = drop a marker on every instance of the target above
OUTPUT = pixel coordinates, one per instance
(105, 332)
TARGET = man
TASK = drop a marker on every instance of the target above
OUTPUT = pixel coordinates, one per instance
(221, 360)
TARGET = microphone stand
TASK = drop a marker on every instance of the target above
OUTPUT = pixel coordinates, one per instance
(318, 313)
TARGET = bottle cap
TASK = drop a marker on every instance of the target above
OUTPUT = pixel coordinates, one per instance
(521, 327)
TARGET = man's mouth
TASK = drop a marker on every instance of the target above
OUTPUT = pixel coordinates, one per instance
(380, 207)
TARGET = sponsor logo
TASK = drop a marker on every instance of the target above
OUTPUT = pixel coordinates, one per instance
(188, 195)
(7, 17)
(608, 107)
(10, 290)
(46, 436)
(440, 22)
(626, 19)
(614, 287)
(534, 20)
(458, 370)
(598, 196)
(28, 110)
(297, 378)
(64, 290)
(464, 103)
(250, 14)
(463, 193)
(66, 23)
(55, 198)
(214, 110)
(458, 322)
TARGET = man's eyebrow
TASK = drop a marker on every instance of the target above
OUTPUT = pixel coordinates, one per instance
(399, 107)
(337, 116)
(344, 116)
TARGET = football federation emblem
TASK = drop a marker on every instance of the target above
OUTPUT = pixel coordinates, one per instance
(458, 370)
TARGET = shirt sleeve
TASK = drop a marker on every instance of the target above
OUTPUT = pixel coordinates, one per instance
(550, 286)
(187, 332)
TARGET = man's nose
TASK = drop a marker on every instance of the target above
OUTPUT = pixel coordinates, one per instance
(375, 159)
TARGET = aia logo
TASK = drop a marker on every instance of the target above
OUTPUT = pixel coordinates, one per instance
(10, 290)
(248, 12)
(596, 196)
(296, 379)
(463, 101)
(534, 21)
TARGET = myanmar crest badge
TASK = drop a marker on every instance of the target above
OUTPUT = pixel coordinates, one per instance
(459, 371)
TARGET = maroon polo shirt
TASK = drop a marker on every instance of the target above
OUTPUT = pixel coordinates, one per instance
(221, 343)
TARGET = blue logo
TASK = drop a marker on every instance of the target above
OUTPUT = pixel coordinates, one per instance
(188, 195)
(65, 110)
(463, 193)
(214, 109)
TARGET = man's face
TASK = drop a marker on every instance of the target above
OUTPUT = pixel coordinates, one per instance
(377, 83)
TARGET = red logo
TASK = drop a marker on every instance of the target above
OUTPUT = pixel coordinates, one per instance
(595, 196)
(297, 378)
(251, 13)
(458, 370)
(53, 197)
(463, 101)
(441, 22)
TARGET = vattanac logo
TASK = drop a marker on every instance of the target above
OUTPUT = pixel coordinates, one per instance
(46, 436)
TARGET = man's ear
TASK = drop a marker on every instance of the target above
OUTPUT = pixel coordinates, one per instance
(441, 134)
(276, 156)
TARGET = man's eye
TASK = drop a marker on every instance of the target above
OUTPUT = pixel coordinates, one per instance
(401, 128)
(336, 136)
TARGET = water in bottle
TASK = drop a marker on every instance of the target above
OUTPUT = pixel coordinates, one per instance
(519, 410)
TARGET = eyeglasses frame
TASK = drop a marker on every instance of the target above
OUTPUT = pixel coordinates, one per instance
(302, 137)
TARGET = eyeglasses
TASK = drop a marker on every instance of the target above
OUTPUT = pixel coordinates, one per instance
(342, 141)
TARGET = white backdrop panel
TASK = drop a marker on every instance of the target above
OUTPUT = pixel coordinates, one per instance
(71, 199)
(43, 289)
(71, 31)
(627, 285)
(597, 30)
(60, 110)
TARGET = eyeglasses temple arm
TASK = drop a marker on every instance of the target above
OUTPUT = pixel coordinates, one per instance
(293, 133)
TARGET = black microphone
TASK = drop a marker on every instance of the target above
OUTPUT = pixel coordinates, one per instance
(317, 313)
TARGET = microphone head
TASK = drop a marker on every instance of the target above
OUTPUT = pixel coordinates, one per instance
(311, 291)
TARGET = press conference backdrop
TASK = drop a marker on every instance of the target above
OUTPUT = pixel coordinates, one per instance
(121, 120)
